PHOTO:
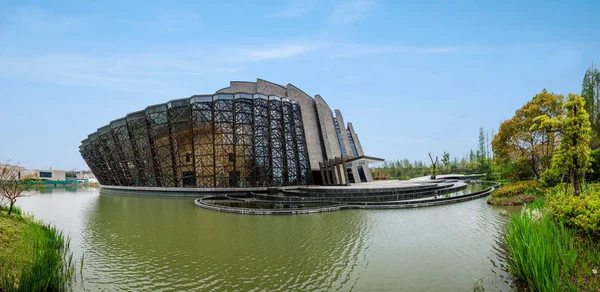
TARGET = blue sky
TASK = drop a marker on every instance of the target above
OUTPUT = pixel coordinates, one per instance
(413, 76)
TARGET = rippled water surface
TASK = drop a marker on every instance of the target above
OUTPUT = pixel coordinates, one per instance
(150, 244)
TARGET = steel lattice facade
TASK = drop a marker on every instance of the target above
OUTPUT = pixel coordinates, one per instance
(251, 134)
(222, 140)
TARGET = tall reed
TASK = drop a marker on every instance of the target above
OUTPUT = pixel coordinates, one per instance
(50, 265)
(542, 252)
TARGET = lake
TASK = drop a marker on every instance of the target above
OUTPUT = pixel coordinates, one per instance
(164, 244)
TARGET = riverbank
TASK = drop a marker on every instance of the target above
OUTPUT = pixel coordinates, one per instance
(517, 193)
(33, 256)
(553, 243)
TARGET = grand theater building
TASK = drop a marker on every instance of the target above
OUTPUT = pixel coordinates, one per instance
(248, 135)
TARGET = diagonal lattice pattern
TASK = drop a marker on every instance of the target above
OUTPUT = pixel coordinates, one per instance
(222, 140)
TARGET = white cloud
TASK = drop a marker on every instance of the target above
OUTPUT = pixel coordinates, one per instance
(417, 140)
(351, 11)
(352, 50)
(296, 8)
(281, 52)
(37, 20)
(438, 50)
(122, 72)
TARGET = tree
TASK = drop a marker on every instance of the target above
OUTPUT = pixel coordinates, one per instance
(433, 166)
(13, 184)
(517, 143)
(482, 153)
(71, 174)
(573, 153)
(446, 161)
(590, 91)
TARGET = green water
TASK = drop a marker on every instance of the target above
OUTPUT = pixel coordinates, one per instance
(166, 244)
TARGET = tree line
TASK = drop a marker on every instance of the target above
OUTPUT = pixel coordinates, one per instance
(477, 160)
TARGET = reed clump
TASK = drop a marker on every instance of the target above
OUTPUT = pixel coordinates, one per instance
(34, 256)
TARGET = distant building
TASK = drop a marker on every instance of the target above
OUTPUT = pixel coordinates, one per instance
(20, 169)
(51, 174)
(86, 176)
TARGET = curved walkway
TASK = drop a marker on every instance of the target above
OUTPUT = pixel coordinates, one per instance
(309, 200)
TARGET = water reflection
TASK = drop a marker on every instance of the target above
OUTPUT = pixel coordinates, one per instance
(152, 243)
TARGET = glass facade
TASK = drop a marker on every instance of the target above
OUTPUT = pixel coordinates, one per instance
(340, 138)
(352, 145)
(223, 140)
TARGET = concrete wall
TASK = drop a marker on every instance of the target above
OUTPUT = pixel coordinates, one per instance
(360, 151)
(340, 119)
(332, 147)
(346, 142)
(55, 174)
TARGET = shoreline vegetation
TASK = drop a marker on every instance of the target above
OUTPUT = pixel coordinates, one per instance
(554, 243)
(517, 193)
(34, 256)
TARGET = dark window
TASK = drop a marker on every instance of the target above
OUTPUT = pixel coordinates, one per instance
(188, 157)
(350, 175)
(45, 174)
(234, 179)
(361, 174)
(189, 179)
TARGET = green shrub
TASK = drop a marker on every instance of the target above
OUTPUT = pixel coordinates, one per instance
(593, 173)
(550, 177)
(518, 188)
(581, 212)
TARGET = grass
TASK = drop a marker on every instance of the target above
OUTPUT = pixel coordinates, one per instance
(548, 255)
(33, 256)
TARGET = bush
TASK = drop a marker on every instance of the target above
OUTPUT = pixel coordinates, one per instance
(581, 212)
(550, 177)
(518, 188)
(593, 173)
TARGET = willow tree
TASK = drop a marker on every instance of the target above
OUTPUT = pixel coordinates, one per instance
(518, 144)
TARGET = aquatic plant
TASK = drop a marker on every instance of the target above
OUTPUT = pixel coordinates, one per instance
(542, 253)
(38, 257)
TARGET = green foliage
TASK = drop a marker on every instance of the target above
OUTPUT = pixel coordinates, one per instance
(15, 210)
(34, 256)
(581, 212)
(573, 154)
(400, 169)
(446, 162)
(590, 91)
(593, 173)
(516, 193)
(517, 141)
(518, 188)
(542, 253)
(550, 177)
